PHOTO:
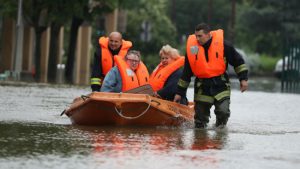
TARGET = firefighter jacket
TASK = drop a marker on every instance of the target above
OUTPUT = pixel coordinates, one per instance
(212, 81)
(104, 60)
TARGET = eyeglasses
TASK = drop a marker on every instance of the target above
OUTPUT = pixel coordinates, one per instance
(133, 61)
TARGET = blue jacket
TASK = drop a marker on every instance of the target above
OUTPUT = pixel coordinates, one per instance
(112, 81)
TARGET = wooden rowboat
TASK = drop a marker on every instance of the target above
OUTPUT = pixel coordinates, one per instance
(127, 109)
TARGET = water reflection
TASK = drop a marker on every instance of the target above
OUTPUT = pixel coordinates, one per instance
(134, 141)
(33, 139)
(204, 148)
(208, 139)
(117, 142)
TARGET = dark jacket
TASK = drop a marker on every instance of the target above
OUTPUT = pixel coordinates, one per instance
(169, 90)
(97, 66)
(232, 57)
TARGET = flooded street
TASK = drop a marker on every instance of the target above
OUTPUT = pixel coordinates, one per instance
(263, 132)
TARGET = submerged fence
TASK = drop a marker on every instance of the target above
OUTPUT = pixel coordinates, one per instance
(290, 81)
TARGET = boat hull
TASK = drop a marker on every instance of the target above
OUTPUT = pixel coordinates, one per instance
(99, 108)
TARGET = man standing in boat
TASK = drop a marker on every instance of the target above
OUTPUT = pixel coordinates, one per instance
(129, 73)
(207, 58)
(107, 48)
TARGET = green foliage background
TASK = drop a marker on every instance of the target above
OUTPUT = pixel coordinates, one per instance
(262, 27)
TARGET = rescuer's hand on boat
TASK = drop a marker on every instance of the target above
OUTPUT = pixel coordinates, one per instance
(177, 98)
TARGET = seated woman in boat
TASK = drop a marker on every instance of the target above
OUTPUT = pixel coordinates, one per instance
(165, 76)
(129, 73)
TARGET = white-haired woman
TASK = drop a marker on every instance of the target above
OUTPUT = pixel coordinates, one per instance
(165, 76)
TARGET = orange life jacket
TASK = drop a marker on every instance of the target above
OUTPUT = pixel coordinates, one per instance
(107, 58)
(131, 79)
(160, 74)
(196, 56)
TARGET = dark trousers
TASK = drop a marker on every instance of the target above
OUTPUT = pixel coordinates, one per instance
(202, 112)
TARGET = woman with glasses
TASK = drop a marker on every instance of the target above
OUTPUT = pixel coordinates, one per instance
(129, 73)
(165, 76)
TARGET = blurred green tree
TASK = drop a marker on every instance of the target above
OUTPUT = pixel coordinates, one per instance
(265, 26)
(149, 28)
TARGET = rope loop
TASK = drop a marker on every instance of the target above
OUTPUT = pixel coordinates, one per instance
(134, 117)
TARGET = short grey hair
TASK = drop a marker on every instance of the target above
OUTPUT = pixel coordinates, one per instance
(133, 52)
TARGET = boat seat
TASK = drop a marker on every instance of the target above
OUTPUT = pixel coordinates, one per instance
(145, 89)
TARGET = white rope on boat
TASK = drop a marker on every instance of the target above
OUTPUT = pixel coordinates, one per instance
(134, 117)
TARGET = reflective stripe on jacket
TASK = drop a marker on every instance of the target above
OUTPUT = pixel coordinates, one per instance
(160, 75)
(215, 65)
(107, 58)
(131, 79)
